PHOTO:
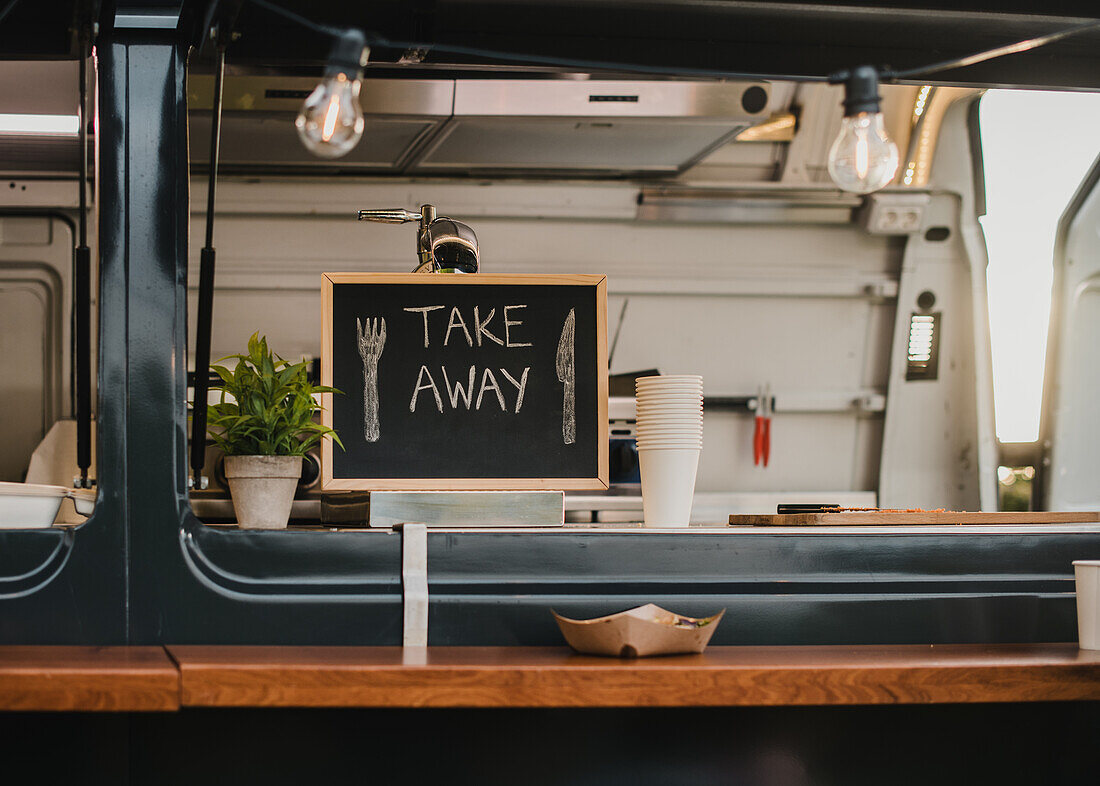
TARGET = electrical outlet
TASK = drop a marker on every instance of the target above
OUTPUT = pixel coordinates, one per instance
(893, 214)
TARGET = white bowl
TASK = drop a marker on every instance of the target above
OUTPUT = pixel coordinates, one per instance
(83, 501)
(29, 506)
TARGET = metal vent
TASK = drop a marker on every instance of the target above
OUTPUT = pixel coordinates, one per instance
(484, 127)
(924, 347)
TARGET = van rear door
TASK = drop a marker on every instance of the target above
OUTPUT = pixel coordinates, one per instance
(1069, 431)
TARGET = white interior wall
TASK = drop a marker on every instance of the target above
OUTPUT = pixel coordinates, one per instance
(36, 255)
(740, 304)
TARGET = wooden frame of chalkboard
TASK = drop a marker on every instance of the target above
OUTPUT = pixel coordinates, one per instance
(464, 382)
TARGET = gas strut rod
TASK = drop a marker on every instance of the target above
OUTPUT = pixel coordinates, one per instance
(82, 292)
(206, 289)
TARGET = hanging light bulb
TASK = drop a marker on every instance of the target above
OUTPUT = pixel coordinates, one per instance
(331, 121)
(863, 158)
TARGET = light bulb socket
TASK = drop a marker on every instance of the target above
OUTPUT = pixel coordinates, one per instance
(349, 55)
(861, 91)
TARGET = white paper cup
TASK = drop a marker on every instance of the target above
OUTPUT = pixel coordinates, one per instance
(671, 444)
(660, 399)
(669, 437)
(684, 429)
(671, 390)
(685, 425)
(665, 421)
(695, 425)
(666, 378)
(668, 405)
(643, 393)
(647, 418)
(670, 419)
(677, 388)
(686, 405)
(668, 485)
(1087, 573)
(644, 387)
(678, 403)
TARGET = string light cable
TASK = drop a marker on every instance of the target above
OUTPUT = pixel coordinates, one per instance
(990, 54)
(377, 40)
(7, 9)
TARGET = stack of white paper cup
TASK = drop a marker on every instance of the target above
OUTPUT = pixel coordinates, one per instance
(670, 436)
(1087, 573)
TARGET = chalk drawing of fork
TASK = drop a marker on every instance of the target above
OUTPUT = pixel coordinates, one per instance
(371, 341)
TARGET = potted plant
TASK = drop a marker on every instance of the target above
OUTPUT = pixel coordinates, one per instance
(264, 430)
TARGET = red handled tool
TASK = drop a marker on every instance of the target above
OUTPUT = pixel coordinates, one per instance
(762, 437)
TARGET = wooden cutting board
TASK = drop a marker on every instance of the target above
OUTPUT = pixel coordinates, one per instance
(883, 518)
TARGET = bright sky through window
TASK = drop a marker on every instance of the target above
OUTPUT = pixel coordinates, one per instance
(1037, 147)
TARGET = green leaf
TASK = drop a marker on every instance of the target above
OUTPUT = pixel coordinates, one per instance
(266, 405)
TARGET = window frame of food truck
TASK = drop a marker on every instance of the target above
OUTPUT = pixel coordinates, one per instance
(192, 583)
(789, 586)
(470, 602)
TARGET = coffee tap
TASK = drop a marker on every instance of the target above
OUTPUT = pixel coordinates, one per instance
(443, 245)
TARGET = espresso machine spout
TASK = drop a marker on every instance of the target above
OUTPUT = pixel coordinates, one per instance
(443, 245)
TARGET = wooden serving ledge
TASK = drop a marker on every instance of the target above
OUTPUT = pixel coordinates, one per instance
(112, 679)
(556, 677)
(144, 678)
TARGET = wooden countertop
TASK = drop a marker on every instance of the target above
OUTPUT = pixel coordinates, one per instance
(117, 679)
(223, 676)
(34, 678)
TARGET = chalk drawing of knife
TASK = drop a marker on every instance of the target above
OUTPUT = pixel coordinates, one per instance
(567, 376)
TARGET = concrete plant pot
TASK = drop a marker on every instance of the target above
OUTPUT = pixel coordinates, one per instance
(262, 488)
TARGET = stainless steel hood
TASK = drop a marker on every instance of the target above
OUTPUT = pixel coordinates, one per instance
(479, 127)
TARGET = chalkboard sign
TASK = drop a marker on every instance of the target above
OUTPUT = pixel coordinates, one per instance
(465, 381)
